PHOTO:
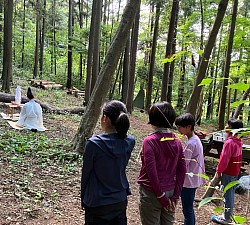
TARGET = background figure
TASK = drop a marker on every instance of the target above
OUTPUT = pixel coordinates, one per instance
(104, 185)
(18, 95)
(163, 168)
(194, 158)
(228, 168)
(31, 114)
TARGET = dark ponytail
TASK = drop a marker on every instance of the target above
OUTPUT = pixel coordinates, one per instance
(122, 125)
(117, 113)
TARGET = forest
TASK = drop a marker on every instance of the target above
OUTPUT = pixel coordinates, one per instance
(193, 54)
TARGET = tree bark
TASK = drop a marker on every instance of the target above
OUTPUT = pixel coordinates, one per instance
(239, 108)
(194, 99)
(134, 41)
(152, 57)
(221, 119)
(7, 51)
(70, 24)
(38, 32)
(102, 85)
(171, 30)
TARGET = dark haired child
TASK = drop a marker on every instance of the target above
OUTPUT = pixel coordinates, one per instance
(228, 168)
(193, 152)
(163, 168)
(104, 185)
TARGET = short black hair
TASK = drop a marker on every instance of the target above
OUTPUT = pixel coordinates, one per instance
(162, 114)
(235, 124)
(184, 120)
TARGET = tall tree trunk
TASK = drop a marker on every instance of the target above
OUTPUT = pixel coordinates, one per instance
(36, 56)
(23, 33)
(134, 41)
(165, 77)
(221, 119)
(102, 86)
(42, 40)
(152, 57)
(90, 52)
(96, 48)
(7, 51)
(194, 99)
(70, 24)
(125, 74)
(239, 108)
(172, 64)
(82, 39)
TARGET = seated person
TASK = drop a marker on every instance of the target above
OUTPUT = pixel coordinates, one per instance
(31, 115)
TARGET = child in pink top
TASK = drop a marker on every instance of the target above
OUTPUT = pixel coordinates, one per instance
(228, 168)
(193, 152)
(163, 168)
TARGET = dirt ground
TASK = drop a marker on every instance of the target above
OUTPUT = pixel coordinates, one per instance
(33, 194)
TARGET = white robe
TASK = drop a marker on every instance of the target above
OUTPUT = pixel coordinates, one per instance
(31, 116)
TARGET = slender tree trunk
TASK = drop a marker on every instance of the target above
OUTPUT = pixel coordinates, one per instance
(194, 99)
(102, 86)
(165, 78)
(96, 48)
(172, 64)
(239, 108)
(125, 74)
(134, 41)
(152, 58)
(23, 33)
(7, 51)
(36, 56)
(90, 52)
(70, 24)
(42, 40)
(221, 119)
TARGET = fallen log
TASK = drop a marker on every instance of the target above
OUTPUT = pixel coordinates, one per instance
(5, 97)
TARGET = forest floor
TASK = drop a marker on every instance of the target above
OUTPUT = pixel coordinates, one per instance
(40, 173)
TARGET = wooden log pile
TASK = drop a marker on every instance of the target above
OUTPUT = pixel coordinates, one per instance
(76, 92)
(44, 84)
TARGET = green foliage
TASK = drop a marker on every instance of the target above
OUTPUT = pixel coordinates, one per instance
(230, 185)
(34, 145)
(207, 200)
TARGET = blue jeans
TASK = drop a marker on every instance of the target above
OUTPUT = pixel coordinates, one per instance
(229, 195)
(187, 200)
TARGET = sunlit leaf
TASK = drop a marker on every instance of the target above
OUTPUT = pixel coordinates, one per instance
(239, 86)
(218, 209)
(230, 185)
(240, 219)
(235, 104)
(207, 200)
(206, 81)
(200, 52)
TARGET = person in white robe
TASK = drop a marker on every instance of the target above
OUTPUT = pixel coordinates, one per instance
(31, 115)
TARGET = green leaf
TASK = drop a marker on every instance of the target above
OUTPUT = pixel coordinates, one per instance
(239, 86)
(235, 104)
(207, 200)
(240, 219)
(206, 81)
(200, 52)
(202, 175)
(231, 184)
(218, 209)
